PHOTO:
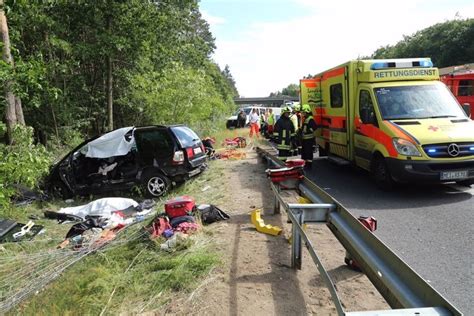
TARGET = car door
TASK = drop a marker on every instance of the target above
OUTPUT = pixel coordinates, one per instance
(155, 147)
(366, 126)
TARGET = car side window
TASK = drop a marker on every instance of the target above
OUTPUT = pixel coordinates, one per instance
(366, 108)
(154, 143)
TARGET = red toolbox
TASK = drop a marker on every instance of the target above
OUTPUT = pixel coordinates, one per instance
(179, 206)
(282, 174)
(295, 163)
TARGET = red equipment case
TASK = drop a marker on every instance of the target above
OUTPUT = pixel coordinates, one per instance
(295, 163)
(179, 206)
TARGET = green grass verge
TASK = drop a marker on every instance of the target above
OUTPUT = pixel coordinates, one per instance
(131, 278)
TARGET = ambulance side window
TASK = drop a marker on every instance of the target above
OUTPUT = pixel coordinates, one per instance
(336, 95)
(366, 108)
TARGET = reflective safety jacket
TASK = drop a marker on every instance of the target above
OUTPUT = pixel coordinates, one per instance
(309, 126)
(294, 120)
(283, 132)
(271, 119)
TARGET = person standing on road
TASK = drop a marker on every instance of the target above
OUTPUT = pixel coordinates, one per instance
(307, 136)
(241, 118)
(270, 122)
(253, 121)
(296, 120)
(284, 133)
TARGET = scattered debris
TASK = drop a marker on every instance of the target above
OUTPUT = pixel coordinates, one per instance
(260, 225)
(210, 213)
(11, 231)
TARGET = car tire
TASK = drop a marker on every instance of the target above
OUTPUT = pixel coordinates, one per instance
(155, 184)
(59, 190)
(381, 174)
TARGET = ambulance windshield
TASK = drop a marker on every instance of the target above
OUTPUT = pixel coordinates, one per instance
(417, 102)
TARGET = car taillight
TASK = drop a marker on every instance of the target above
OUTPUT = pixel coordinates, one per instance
(190, 152)
(178, 157)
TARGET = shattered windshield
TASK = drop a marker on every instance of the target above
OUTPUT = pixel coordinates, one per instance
(417, 102)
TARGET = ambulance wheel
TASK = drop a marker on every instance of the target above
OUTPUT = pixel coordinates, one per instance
(466, 183)
(381, 173)
(155, 184)
(322, 151)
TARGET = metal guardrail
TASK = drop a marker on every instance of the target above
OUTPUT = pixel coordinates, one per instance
(403, 289)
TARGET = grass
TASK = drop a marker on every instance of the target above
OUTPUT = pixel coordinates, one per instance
(134, 277)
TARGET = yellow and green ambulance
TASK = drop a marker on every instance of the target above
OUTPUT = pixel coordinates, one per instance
(393, 118)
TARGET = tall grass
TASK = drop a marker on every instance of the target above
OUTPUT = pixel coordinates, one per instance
(136, 276)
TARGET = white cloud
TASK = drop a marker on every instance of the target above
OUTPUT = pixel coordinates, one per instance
(211, 19)
(268, 56)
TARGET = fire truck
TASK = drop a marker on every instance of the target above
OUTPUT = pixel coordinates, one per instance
(393, 118)
(460, 80)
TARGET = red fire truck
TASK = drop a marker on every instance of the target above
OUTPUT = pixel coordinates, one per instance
(460, 80)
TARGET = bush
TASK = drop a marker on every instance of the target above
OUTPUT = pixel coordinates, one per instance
(21, 163)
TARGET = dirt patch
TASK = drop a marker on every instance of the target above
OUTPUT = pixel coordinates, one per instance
(255, 277)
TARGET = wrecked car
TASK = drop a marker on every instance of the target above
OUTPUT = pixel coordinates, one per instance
(152, 158)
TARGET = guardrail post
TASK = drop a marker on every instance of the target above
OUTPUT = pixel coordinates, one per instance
(276, 205)
(296, 240)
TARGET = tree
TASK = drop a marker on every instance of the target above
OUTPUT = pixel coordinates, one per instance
(449, 43)
(230, 79)
(291, 90)
(13, 109)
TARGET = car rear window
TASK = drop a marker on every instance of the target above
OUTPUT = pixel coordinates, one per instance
(185, 135)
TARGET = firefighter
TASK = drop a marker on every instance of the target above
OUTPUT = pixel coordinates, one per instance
(307, 136)
(296, 120)
(284, 133)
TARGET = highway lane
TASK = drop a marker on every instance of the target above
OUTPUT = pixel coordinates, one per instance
(429, 227)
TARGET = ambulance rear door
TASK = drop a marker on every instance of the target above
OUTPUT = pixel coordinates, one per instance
(335, 93)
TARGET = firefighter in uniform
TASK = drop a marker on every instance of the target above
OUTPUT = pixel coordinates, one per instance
(295, 118)
(307, 135)
(284, 133)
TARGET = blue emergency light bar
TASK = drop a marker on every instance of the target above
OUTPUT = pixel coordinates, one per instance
(402, 64)
(471, 148)
(431, 150)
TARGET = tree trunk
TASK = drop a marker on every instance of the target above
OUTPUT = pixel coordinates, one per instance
(10, 113)
(110, 100)
(13, 111)
(110, 106)
(19, 111)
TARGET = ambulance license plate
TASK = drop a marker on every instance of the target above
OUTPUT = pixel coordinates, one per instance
(454, 175)
(197, 150)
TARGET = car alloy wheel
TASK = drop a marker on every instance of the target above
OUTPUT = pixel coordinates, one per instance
(156, 186)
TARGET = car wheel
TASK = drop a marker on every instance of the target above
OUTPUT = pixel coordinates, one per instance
(155, 184)
(59, 190)
(381, 174)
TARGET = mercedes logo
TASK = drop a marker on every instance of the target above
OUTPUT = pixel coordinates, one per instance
(453, 150)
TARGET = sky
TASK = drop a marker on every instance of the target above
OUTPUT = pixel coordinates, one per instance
(269, 44)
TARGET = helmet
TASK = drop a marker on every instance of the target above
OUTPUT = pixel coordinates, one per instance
(297, 108)
(306, 108)
(286, 109)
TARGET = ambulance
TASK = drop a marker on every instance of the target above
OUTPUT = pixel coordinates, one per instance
(393, 118)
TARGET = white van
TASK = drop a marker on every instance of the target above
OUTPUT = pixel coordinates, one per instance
(232, 120)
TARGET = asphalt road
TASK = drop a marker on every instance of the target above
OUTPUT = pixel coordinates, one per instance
(429, 227)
